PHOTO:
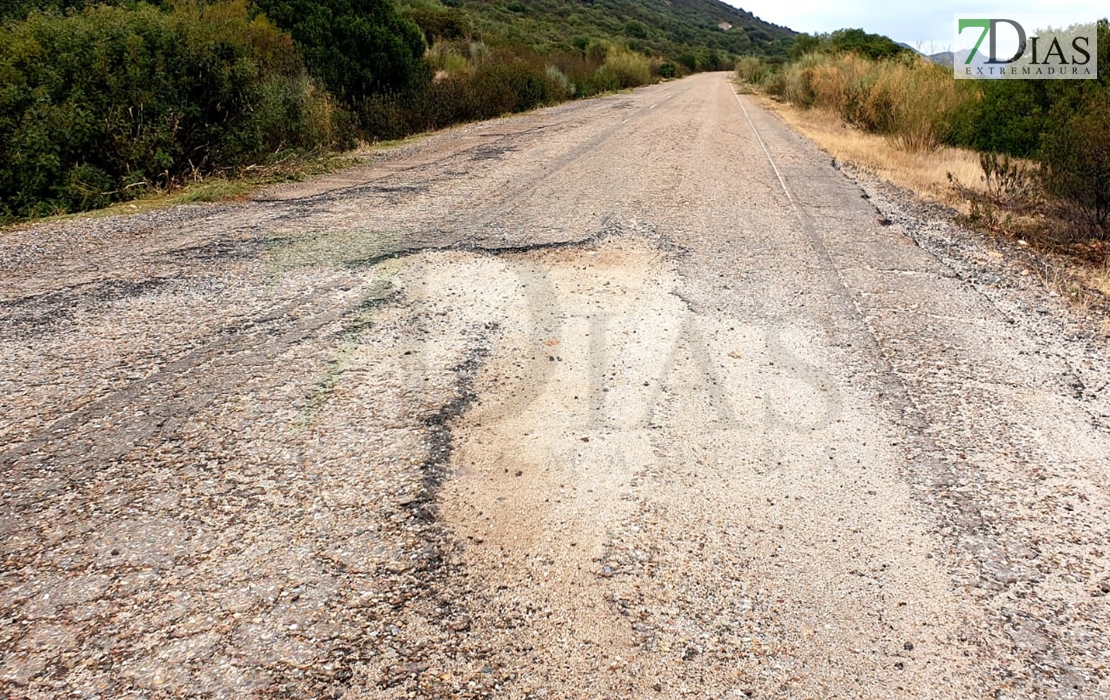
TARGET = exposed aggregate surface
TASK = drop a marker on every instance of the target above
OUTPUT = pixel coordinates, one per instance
(632, 397)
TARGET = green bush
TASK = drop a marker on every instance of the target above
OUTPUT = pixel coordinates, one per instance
(774, 83)
(1076, 156)
(625, 69)
(19, 9)
(581, 72)
(873, 46)
(1012, 116)
(803, 44)
(355, 48)
(1005, 116)
(636, 29)
(854, 41)
(689, 60)
(497, 82)
(386, 117)
(99, 105)
(439, 23)
(750, 70)
(560, 85)
(597, 51)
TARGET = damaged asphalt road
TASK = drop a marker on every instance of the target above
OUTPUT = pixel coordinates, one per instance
(631, 397)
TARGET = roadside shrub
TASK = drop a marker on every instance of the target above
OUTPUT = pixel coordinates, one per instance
(774, 83)
(797, 80)
(918, 106)
(1005, 116)
(844, 84)
(502, 87)
(596, 51)
(1007, 181)
(561, 87)
(713, 60)
(909, 100)
(97, 106)
(1076, 156)
(495, 84)
(385, 117)
(582, 73)
(439, 23)
(912, 104)
(448, 56)
(750, 70)
(625, 69)
(355, 48)
(666, 70)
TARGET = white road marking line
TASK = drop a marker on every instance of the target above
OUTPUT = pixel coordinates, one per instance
(767, 152)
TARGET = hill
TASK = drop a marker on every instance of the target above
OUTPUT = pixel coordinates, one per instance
(944, 58)
(666, 28)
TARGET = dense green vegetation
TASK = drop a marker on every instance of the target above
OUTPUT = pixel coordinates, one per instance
(475, 81)
(99, 105)
(685, 30)
(101, 100)
(354, 47)
(853, 41)
(1014, 116)
(1064, 125)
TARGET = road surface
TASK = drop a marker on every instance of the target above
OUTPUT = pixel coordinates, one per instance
(633, 397)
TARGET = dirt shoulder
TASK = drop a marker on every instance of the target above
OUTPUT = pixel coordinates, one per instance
(1028, 227)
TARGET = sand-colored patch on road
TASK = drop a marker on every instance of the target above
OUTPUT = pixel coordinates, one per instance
(648, 497)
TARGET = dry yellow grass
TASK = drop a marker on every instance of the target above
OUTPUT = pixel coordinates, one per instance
(1098, 278)
(926, 173)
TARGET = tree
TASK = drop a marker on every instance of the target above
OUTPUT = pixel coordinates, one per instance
(444, 23)
(1076, 153)
(803, 44)
(873, 46)
(356, 48)
(857, 41)
(19, 9)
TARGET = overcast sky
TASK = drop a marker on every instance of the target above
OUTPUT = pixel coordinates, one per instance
(918, 24)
